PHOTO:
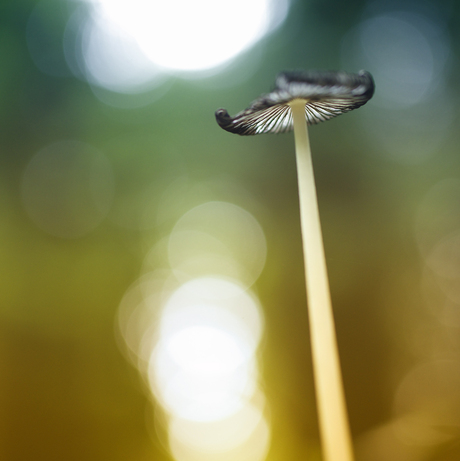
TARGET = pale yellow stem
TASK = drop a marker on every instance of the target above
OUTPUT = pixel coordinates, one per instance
(332, 413)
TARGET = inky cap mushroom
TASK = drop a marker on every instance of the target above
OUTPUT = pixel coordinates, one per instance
(326, 95)
(300, 99)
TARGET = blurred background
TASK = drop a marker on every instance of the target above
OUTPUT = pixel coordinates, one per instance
(152, 301)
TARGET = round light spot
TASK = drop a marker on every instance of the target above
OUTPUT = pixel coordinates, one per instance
(201, 349)
(217, 436)
(214, 303)
(191, 33)
(106, 51)
(195, 253)
(199, 395)
(122, 45)
(245, 437)
(401, 55)
(406, 52)
(138, 316)
(203, 367)
(218, 238)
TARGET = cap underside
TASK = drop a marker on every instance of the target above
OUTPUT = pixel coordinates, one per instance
(326, 95)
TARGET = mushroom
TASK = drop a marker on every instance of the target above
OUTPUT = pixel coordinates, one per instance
(299, 99)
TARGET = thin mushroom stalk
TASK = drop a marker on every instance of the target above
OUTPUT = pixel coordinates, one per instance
(302, 98)
(332, 415)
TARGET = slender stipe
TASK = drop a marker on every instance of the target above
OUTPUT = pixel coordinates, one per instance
(301, 98)
(332, 414)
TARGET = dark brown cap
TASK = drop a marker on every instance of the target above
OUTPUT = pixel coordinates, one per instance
(326, 95)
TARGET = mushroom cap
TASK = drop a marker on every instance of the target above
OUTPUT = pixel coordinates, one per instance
(326, 95)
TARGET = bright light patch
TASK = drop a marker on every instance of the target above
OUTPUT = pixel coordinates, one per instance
(194, 36)
(244, 437)
(124, 43)
(214, 303)
(199, 395)
(217, 436)
(203, 367)
(194, 253)
(196, 342)
(206, 350)
(191, 35)
(218, 238)
(113, 59)
(138, 317)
